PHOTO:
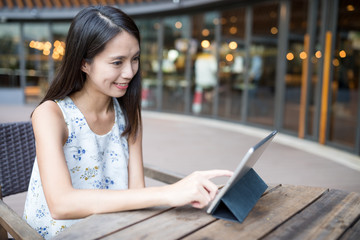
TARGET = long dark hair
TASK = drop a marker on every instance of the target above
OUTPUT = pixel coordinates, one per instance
(89, 32)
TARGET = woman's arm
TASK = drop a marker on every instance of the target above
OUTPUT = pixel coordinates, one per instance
(136, 167)
(65, 202)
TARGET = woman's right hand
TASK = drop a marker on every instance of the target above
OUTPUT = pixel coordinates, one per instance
(195, 189)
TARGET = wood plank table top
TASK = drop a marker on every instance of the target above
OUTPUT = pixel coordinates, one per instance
(283, 212)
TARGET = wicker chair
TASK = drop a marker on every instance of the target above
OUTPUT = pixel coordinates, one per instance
(17, 154)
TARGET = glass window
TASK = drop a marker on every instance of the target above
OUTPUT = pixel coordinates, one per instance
(315, 68)
(9, 58)
(346, 62)
(59, 31)
(296, 57)
(149, 61)
(232, 59)
(37, 51)
(176, 36)
(205, 65)
(263, 64)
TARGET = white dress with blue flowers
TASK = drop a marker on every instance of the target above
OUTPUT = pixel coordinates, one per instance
(94, 162)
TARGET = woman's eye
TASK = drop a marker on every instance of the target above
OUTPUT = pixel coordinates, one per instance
(117, 63)
(136, 59)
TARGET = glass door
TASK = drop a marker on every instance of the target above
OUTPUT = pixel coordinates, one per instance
(262, 71)
(344, 106)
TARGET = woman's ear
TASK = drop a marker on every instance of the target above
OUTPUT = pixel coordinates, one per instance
(84, 66)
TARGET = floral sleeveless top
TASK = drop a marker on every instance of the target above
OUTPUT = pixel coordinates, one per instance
(94, 162)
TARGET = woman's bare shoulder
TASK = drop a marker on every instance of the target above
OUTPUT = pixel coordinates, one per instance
(48, 117)
(47, 110)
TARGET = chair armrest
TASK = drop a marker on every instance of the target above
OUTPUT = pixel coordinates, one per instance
(15, 225)
(161, 174)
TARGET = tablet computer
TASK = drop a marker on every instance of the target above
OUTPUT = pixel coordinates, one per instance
(243, 167)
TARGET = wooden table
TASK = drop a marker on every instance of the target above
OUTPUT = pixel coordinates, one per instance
(283, 212)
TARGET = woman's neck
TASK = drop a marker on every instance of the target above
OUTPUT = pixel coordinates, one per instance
(92, 103)
(97, 110)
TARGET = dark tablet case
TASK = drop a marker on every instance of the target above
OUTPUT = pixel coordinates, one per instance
(238, 201)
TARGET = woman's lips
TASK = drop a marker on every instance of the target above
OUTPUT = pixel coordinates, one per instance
(121, 85)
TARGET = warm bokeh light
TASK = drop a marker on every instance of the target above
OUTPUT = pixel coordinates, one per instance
(57, 43)
(290, 56)
(274, 30)
(205, 44)
(55, 56)
(178, 25)
(60, 50)
(342, 54)
(47, 45)
(336, 62)
(303, 55)
(233, 30)
(216, 21)
(229, 57)
(46, 52)
(39, 45)
(205, 32)
(318, 54)
(350, 8)
(32, 44)
(233, 45)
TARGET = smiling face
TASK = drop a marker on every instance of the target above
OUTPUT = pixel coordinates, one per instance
(110, 71)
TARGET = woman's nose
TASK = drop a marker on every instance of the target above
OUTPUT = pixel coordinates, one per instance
(128, 71)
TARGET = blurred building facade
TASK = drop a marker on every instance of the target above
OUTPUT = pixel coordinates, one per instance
(292, 65)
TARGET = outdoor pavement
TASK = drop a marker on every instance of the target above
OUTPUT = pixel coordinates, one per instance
(183, 144)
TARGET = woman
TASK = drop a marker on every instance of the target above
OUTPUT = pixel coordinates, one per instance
(88, 132)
